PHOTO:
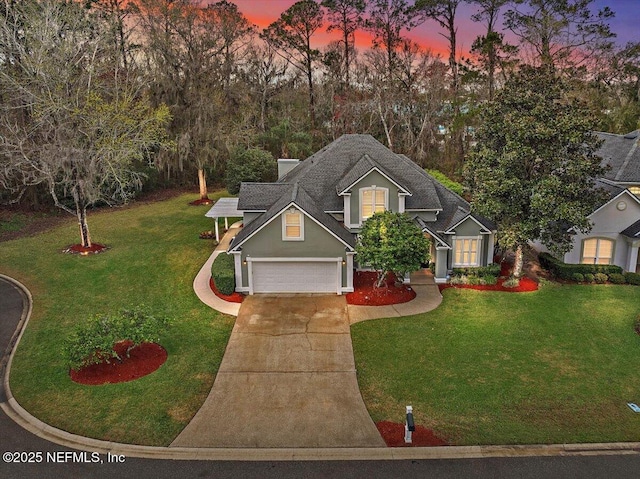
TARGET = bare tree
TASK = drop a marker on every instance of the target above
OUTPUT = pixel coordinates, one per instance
(386, 21)
(443, 12)
(70, 120)
(559, 33)
(291, 34)
(346, 16)
(191, 54)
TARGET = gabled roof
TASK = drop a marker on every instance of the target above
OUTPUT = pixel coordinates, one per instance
(622, 154)
(632, 231)
(362, 168)
(260, 196)
(321, 173)
(294, 195)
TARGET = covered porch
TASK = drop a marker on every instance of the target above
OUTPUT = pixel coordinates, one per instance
(223, 208)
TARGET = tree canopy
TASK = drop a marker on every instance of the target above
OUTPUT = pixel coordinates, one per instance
(72, 120)
(392, 242)
(533, 169)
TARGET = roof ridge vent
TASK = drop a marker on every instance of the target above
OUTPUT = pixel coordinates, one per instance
(294, 193)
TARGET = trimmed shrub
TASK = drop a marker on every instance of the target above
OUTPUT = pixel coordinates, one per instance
(491, 280)
(577, 277)
(600, 278)
(632, 278)
(223, 273)
(92, 342)
(476, 280)
(511, 283)
(461, 279)
(589, 278)
(481, 271)
(565, 271)
(616, 278)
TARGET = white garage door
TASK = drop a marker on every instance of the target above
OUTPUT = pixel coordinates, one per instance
(295, 277)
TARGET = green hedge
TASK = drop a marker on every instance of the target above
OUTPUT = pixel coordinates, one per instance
(632, 278)
(223, 273)
(492, 270)
(566, 271)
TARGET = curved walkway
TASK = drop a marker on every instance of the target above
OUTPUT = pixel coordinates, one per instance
(32, 424)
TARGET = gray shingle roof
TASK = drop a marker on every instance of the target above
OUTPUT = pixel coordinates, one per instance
(295, 194)
(359, 170)
(622, 154)
(260, 196)
(320, 174)
(632, 231)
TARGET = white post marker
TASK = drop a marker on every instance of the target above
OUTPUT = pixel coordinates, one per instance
(409, 425)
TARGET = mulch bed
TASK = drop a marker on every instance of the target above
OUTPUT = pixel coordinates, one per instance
(526, 285)
(143, 359)
(232, 298)
(201, 201)
(365, 294)
(95, 248)
(393, 435)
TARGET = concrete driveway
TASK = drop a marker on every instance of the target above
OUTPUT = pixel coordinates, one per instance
(287, 379)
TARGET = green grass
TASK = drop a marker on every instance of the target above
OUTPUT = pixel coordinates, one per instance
(557, 365)
(154, 255)
(15, 222)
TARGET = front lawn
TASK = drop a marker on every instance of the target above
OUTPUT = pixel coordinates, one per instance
(154, 255)
(553, 366)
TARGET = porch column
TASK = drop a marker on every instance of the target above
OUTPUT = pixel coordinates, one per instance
(237, 263)
(349, 287)
(490, 245)
(632, 256)
(441, 265)
(216, 228)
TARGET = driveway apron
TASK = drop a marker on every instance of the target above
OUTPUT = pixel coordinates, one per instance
(287, 379)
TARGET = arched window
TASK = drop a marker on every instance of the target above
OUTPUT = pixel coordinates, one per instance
(597, 251)
(373, 200)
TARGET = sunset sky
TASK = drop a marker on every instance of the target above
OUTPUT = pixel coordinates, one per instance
(626, 23)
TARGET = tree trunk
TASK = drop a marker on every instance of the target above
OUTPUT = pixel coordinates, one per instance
(202, 182)
(381, 277)
(517, 264)
(84, 227)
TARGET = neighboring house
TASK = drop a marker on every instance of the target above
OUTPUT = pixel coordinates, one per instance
(615, 234)
(299, 233)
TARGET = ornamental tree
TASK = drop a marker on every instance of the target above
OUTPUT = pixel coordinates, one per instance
(392, 242)
(70, 118)
(533, 169)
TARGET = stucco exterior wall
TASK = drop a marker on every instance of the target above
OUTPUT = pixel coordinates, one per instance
(317, 243)
(608, 222)
(373, 178)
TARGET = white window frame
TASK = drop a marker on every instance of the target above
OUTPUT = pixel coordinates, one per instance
(373, 189)
(285, 237)
(598, 240)
(461, 239)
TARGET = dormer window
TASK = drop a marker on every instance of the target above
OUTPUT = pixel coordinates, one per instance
(292, 225)
(373, 200)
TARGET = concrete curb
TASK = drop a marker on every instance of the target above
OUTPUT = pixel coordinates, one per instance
(32, 424)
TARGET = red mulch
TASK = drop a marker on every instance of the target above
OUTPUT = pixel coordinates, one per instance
(393, 435)
(365, 294)
(232, 298)
(82, 250)
(526, 285)
(201, 201)
(143, 359)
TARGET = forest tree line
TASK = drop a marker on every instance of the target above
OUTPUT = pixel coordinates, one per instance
(207, 95)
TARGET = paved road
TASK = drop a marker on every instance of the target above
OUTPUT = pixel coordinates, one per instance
(15, 439)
